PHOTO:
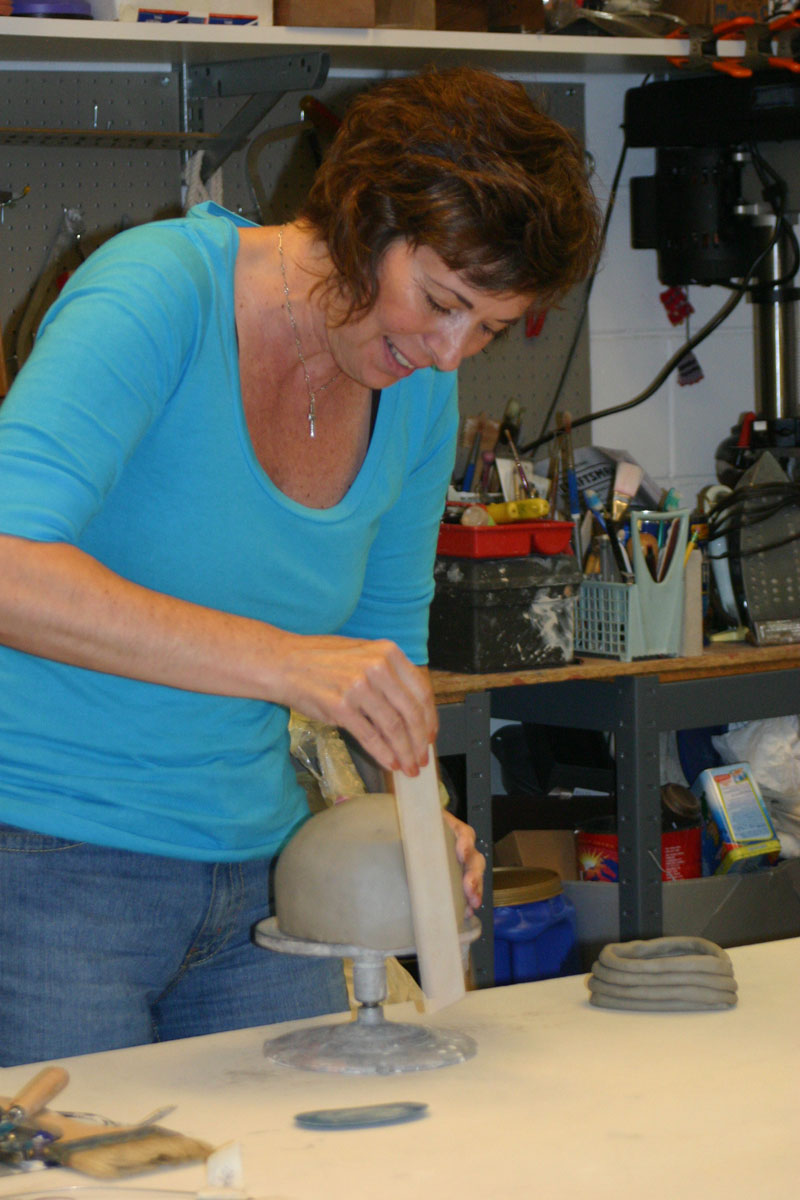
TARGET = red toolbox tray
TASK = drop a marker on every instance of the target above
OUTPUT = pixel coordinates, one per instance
(514, 539)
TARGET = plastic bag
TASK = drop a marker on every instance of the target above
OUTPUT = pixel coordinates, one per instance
(772, 747)
(320, 750)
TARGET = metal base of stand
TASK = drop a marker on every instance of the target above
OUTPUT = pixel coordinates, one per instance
(369, 1045)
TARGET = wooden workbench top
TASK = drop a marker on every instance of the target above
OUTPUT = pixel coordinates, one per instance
(727, 658)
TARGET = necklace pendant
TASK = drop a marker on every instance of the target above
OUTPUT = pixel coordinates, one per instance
(312, 400)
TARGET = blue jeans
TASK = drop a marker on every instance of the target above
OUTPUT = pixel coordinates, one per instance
(103, 948)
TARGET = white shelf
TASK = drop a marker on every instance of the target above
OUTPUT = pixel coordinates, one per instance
(67, 42)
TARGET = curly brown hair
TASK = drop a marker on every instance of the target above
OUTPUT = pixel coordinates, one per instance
(460, 160)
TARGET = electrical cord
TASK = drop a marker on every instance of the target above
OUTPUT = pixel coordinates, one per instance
(731, 514)
(774, 191)
(721, 315)
(610, 205)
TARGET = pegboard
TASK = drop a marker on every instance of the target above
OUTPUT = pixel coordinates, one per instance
(111, 188)
(104, 190)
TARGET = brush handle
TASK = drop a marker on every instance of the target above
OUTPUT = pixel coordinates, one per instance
(36, 1093)
(626, 575)
(572, 488)
(595, 504)
(68, 1128)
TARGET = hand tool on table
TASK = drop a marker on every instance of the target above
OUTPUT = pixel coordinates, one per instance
(362, 1116)
(30, 1099)
(101, 1151)
(20, 1135)
(433, 914)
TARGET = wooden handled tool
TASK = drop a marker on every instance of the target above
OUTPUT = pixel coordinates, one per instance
(432, 911)
(33, 1096)
(102, 1151)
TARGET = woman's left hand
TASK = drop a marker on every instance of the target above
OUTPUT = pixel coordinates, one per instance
(473, 863)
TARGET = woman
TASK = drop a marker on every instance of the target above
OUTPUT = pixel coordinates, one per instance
(222, 471)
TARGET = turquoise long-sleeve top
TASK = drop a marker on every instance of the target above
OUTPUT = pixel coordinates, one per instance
(125, 436)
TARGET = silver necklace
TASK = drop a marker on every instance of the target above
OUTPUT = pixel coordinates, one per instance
(312, 394)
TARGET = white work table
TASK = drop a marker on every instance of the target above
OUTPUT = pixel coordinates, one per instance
(561, 1100)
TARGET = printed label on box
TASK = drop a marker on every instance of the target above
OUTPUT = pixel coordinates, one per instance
(741, 803)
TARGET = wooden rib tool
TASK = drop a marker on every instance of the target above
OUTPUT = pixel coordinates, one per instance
(432, 910)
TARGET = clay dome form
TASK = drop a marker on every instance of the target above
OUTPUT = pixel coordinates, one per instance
(342, 878)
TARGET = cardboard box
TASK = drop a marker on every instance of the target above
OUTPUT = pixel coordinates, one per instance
(516, 16)
(405, 14)
(358, 14)
(471, 15)
(331, 14)
(553, 849)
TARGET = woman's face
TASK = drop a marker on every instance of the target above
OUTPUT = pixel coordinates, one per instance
(425, 316)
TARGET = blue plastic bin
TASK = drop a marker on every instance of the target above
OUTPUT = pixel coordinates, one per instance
(535, 927)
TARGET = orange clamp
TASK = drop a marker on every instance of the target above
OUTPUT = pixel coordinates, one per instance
(783, 29)
(698, 38)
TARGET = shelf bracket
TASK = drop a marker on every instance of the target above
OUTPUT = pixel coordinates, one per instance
(264, 80)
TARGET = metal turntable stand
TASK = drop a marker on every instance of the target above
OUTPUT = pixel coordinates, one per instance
(368, 1045)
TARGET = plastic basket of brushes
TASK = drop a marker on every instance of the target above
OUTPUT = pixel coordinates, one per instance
(643, 618)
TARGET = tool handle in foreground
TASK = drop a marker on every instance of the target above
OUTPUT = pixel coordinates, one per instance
(37, 1092)
(432, 910)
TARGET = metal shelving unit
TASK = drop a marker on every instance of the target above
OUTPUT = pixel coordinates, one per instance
(636, 702)
(637, 709)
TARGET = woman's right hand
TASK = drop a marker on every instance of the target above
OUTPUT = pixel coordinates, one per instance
(369, 688)
(58, 602)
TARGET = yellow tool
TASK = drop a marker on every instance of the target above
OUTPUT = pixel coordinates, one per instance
(518, 510)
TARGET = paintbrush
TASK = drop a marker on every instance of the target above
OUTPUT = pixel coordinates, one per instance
(125, 1151)
(46, 1084)
(626, 484)
(595, 505)
(105, 1151)
(524, 482)
(474, 455)
(552, 491)
(671, 501)
(565, 424)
